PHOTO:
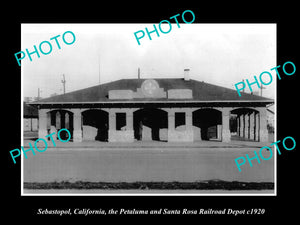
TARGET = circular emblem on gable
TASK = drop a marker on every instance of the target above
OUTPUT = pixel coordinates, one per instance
(149, 87)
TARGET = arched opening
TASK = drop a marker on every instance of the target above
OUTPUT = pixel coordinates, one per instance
(95, 125)
(244, 124)
(59, 119)
(207, 124)
(150, 124)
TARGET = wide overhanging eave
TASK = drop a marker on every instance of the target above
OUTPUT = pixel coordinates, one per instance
(178, 103)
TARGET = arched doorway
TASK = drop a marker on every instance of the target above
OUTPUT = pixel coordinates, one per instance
(59, 119)
(95, 125)
(244, 124)
(207, 124)
(150, 124)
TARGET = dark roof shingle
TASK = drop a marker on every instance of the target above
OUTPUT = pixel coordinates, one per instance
(201, 92)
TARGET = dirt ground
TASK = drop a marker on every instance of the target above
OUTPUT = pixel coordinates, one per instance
(108, 164)
(91, 161)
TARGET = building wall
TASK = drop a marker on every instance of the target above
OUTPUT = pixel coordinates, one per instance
(254, 125)
(30, 124)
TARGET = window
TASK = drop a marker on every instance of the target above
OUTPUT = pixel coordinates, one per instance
(179, 119)
(120, 121)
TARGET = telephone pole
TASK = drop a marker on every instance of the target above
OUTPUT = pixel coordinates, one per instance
(261, 89)
(64, 83)
(99, 68)
(244, 88)
(39, 96)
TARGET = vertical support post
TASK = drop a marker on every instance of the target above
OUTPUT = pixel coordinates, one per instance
(171, 120)
(189, 119)
(256, 126)
(77, 122)
(263, 131)
(112, 120)
(42, 123)
(238, 125)
(189, 125)
(53, 127)
(58, 120)
(171, 124)
(129, 126)
(111, 125)
(225, 125)
(247, 126)
(48, 120)
(252, 125)
(129, 120)
(242, 126)
(67, 121)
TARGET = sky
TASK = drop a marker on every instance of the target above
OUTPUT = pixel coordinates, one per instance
(220, 54)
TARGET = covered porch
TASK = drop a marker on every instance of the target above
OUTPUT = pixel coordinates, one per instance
(163, 122)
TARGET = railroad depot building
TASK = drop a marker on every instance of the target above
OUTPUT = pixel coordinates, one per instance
(170, 110)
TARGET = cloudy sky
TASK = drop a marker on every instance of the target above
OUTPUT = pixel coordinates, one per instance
(221, 54)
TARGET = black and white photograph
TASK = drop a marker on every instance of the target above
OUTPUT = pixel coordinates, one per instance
(107, 115)
(141, 111)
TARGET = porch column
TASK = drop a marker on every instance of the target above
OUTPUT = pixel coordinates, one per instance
(58, 120)
(48, 120)
(263, 131)
(67, 121)
(189, 125)
(111, 125)
(171, 124)
(124, 135)
(77, 121)
(256, 126)
(247, 126)
(129, 120)
(42, 123)
(129, 133)
(111, 120)
(242, 125)
(225, 125)
(238, 125)
(252, 125)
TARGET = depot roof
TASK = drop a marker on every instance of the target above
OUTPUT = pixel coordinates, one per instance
(201, 92)
(29, 111)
